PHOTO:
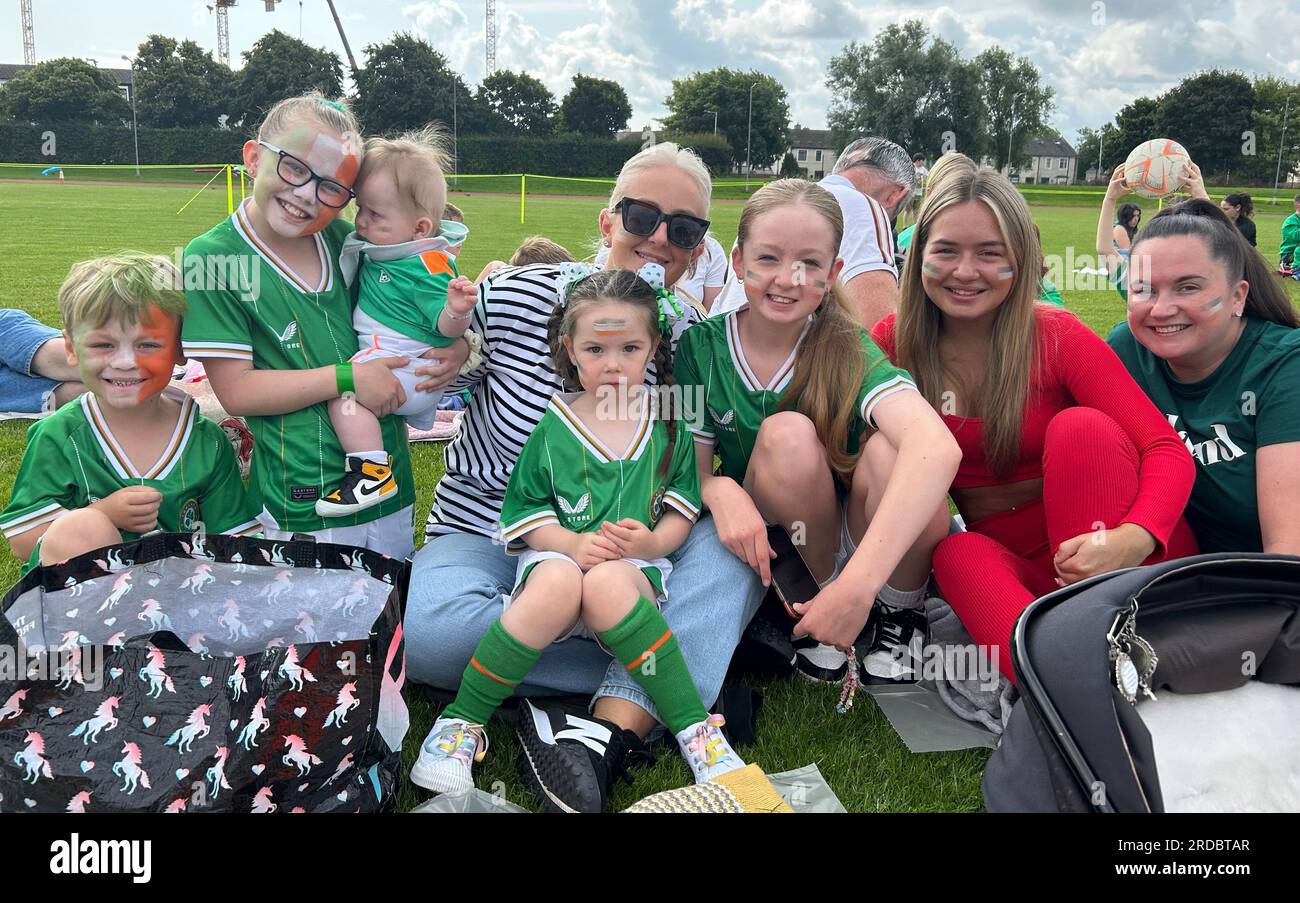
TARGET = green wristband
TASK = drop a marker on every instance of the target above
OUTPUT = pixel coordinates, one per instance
(343, 378)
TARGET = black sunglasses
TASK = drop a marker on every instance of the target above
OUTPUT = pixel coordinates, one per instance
(294, 172)
(643, 218)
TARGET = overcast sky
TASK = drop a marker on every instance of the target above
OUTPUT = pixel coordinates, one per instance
(1097, 54)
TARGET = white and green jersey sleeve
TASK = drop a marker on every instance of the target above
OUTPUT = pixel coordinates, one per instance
(73, 460)
(245, 303)
(565, 475)
(736, 402)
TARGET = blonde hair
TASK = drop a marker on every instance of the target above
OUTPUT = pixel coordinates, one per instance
(335, 115)
(452, 212)
(1014, 348)
(417, 160)
(120, 287)
(830, 365)
(665, 154)
(539, 249)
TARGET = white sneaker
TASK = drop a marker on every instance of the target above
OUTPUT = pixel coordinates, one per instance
(707, 751)
(447, 756)
(819, 662)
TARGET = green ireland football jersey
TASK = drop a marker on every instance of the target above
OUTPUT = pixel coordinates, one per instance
(1250, 401)
(73, 460)
(736, 402)
(244, 303)
(407, 295)
(565, 475)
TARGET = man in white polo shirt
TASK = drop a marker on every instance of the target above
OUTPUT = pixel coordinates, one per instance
(871, 180)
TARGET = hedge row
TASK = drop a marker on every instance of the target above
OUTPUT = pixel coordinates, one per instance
(560, 155)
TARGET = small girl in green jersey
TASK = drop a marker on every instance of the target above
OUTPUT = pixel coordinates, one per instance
(602, 493)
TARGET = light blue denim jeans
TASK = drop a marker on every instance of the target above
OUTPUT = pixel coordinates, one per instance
(456, 593)
(21, 336)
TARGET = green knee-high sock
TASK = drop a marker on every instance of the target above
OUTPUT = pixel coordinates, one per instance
(498, 665)
(644, 643)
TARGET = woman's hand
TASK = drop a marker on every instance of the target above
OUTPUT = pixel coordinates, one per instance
(1089, 554)
(1117, 187)
(448, 362)
(836, 615)
(1194, 182)
(740, 527)
(377, 389)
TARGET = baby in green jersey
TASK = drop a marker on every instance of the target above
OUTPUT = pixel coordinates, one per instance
(131, 456)
(411, 299)
(605, 489)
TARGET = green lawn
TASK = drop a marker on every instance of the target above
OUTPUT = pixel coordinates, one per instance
(47, 227)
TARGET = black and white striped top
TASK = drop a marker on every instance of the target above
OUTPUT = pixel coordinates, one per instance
(510, 391)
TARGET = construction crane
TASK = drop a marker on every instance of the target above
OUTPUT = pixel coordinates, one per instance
(490, 28)
(29, 34)
(338, 23)
(221, 8)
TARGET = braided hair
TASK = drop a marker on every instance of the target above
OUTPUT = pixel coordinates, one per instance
(627, 287)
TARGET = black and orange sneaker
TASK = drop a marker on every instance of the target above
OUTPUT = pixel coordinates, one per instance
(365, 485)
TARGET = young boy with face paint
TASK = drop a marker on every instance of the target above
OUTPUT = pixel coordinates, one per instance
(411, 300)
(130, 456)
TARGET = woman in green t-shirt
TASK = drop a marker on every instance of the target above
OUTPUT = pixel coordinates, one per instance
(1213, 340)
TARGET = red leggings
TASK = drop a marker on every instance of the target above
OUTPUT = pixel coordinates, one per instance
(990, 573)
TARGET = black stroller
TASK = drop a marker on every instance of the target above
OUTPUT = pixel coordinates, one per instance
(1106, 720)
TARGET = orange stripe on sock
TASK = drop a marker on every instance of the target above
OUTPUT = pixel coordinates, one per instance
(651, 651)
(473, 661)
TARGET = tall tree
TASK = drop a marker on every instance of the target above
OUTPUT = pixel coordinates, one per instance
(728, 92)
(406, 84)
(1266, 122)
(1136, 122)
(1208, 113)
(1094, 153)
(909, 86)
(65, 91)
(280, 66)
(595, 106)
(179, 84)
(1017, 101)
(520, 100)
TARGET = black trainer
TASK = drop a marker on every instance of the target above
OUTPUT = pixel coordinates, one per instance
(819, 662)
(572, 761)
(895, 653)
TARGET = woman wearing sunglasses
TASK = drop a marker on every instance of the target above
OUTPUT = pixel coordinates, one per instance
(657, 213)
(1212, 339)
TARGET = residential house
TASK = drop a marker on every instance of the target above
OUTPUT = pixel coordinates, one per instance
(1052, 161)
(813, 150)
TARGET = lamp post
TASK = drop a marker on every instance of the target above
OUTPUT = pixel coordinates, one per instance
(135, 131)
(715, 120)
(1277, 176)
(1011, 131)
(748, 130)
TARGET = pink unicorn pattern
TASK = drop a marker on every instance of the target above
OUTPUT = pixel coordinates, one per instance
(293, 671)
(256, 725)
(298, 755)
(217, 773)
(128, 767)
(33, 759)
(262, 803)
(104, 720)
(338, 716)
(13, 706)
(196, 726)
(156, 674)
(79, 802)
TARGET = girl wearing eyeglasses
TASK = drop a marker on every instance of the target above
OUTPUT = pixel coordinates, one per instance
(1212, 339)
(271, 319)
(657, 213)
(819, 433)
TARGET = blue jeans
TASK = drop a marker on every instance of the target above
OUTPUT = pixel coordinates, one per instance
(456, 593)
(21, 336)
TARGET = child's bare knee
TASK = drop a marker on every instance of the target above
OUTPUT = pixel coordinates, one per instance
(76, 533)
(609, 586)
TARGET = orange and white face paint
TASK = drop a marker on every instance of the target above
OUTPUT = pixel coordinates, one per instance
(126, 364)
(295, 211)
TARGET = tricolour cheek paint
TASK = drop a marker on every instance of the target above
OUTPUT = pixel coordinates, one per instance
(930, 269)
(156, 367)
(1006, 273)
(1213, 306)
(751, 276)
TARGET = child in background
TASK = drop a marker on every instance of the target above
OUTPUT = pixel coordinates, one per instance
(132, 455)
(1290, 243)
(453, 228)
(272, 323)
(603, 492)
(410, 300)
(533, 249)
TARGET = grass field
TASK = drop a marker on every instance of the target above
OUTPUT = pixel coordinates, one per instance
(46, 227)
